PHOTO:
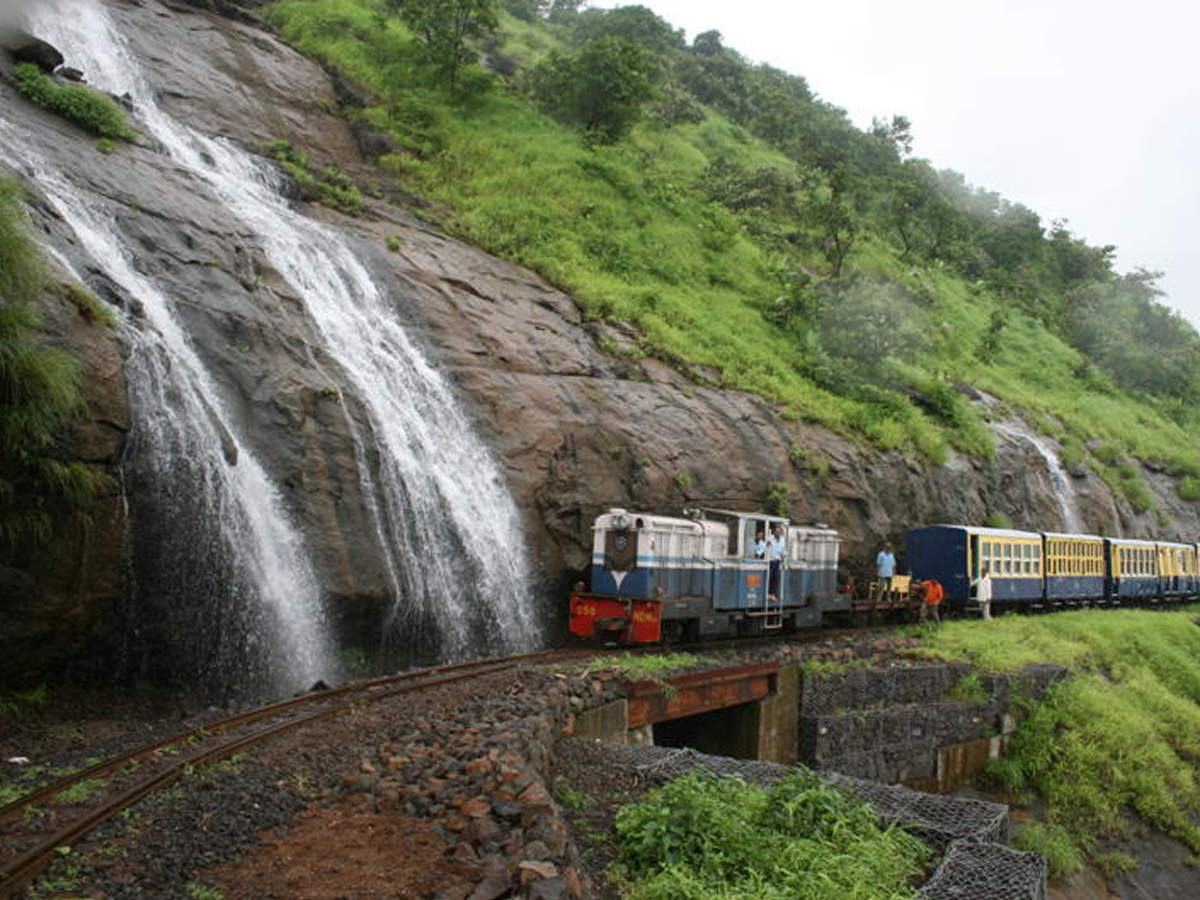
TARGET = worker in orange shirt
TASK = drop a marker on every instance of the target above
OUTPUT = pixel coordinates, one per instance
(931, 593)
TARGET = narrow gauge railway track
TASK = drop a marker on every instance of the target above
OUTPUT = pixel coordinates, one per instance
(34, 826)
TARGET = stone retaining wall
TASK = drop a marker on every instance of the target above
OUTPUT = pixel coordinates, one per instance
(895, 725)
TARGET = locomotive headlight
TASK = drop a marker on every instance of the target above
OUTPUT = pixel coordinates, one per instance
(620, 522)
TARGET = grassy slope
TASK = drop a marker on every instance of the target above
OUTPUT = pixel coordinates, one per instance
(629, 232)
(1122, 735)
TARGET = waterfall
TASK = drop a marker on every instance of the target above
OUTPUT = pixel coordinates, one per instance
(243, 593)
(449, 531)
(1060, 481)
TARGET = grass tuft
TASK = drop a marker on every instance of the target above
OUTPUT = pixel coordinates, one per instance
(78, 104)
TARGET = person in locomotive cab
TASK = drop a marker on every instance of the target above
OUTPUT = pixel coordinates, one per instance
(760, 545)
(983, 593)
(776, 548)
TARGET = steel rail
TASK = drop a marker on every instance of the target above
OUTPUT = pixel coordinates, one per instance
(19, 873)
(16, 808)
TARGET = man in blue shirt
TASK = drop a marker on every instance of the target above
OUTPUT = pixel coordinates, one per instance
(885, 568)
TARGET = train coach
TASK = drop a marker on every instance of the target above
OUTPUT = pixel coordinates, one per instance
(1031, 569)
(656, 577)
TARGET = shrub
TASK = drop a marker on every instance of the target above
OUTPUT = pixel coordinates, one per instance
(968, 689)
(1189, 488)
(704, 836)
(1053, 842)
(778, 501)
(80, 105)
(1114, 863)
(39, 397)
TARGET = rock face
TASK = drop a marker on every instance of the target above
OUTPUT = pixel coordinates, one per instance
(577, 430)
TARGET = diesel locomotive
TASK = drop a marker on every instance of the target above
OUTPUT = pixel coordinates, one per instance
(700, 575)
(656, 577)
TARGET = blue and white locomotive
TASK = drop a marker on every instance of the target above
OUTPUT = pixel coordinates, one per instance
(656, 577)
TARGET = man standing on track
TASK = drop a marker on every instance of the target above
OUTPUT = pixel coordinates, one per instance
(885, 568)
(931, 594)
(983, 593)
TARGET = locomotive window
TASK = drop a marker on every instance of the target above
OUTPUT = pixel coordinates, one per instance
(1027, 563)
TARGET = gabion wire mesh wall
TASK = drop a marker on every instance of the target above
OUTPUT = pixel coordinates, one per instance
(969, 833)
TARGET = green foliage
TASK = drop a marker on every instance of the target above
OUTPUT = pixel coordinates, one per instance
(1006, 773)
(1114, 863)
(1119, 739)
(40, 494)
(445, 27)
(569, 798)
(805, 459)
(326, 185)
(81, 791)
(199, 891)
(997, 520)
(968, 689)
(602, 88)
(778, 502)
(89, 307)
(868, 321)
(747, 229)
(702, 837)
(1054, 842)
(636, 667)
(16, 704)
(1189, 488)
(395, 243)
(80, 105)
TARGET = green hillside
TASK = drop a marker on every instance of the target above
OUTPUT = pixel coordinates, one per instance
(755, 238)
(1113, 748)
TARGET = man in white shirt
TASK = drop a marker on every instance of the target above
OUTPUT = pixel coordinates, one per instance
(983, 593)
(776, 549)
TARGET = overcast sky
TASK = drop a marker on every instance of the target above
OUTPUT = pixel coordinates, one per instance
(1086, 110)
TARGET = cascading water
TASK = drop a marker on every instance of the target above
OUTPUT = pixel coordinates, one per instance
(1060, 481)
(245, 611)
(448, 529)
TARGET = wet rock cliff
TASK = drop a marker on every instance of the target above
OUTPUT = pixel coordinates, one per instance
(576, 429)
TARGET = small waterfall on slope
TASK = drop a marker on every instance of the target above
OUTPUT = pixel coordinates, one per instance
(239, 599)
(1060, 481)
(447, 525)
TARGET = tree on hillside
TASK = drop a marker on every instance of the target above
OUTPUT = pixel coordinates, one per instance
(897, 133)
(869, 321)
(707, 43)
(636, 24)
(444, 27)
(834, 216)
(602, 88)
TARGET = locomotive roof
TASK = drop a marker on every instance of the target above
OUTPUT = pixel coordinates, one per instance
(1073, 535)
(708, 510)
